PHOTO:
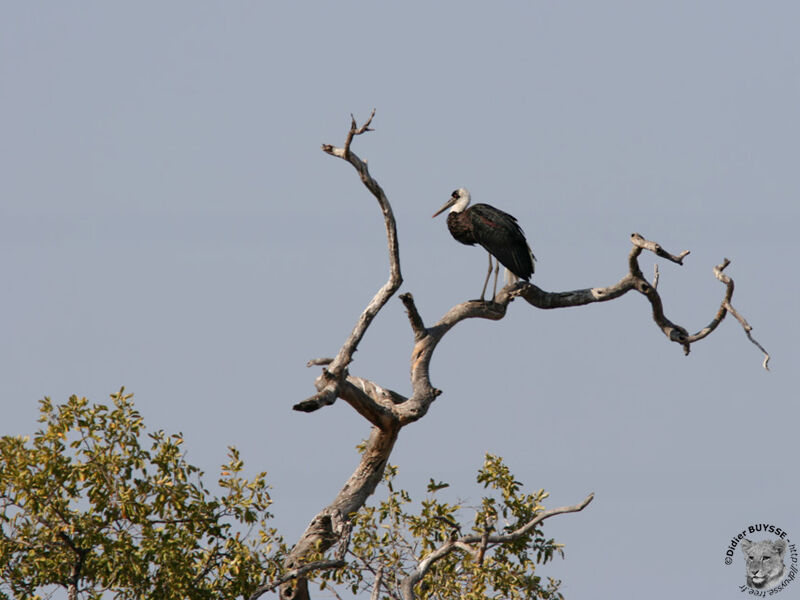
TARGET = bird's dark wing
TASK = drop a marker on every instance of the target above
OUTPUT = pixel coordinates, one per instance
(499, 233)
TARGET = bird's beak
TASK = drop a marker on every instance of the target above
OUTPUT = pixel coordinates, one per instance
(447, 205)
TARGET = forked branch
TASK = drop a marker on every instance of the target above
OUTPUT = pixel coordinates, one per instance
(329, 383)
(466, 542)
(635, 280)
(725, 308)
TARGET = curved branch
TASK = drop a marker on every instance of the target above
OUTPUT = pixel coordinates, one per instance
(726, 307)
(638, 241)
(332, 524)
(367, 398)
(463, 543)
(635, 280)
(373, 402)
(324, 361)
(329, 383)
(423, 392)
(426, 339)
(319, 565)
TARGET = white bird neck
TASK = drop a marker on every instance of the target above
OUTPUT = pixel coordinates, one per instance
(462, 202)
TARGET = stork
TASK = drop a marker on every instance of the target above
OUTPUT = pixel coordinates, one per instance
(495, 230)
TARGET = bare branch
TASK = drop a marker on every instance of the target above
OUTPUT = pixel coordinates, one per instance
(725, 308)
(367, 398)
(325, 397)
(729, 308)
(722, 310)
(329, 525)
(541, 299)
(407, 586)
(335, 593)
(321, 362)
(504, 538)
(368, 566)
(345, 356)
(634, 280)
(427, 338)
(644, 244)
(484, 539)
(747, 329)
(373, 402)
(354, 131)
(344, 539)
(417, 326)
(319, 565)
(376, 588)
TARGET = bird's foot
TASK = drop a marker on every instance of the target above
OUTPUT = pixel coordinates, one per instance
(483, 300)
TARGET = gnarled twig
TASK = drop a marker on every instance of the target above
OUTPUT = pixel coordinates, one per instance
(726, 307)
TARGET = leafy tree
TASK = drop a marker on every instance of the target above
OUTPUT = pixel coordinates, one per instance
(389, 543)
(85, 507)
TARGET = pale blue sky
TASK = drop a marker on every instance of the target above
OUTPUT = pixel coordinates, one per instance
(169, 223)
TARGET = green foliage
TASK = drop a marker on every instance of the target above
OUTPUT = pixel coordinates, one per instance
(392, 539)
(85, 507)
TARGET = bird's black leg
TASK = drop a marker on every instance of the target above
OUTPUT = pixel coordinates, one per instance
(488, 274)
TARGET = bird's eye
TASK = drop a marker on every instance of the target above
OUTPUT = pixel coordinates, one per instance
(454, 194)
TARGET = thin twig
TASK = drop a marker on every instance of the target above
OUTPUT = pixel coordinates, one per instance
(354, 131)
(319, 362)
(747, 329)
(639, 241)
(333, 591)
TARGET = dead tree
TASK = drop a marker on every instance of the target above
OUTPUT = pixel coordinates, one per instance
(389, 411)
